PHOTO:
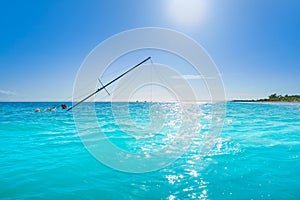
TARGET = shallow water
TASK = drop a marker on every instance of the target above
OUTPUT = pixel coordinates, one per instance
(257, 155)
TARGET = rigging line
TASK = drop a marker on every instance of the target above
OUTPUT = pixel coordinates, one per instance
(103, 86)
(110, 70)
(69, 99)
(81, 91)
(151, 61)
(119, 89)
(98, 90)
(151, 81)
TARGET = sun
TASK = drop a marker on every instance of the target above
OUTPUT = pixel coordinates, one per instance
(186, 12)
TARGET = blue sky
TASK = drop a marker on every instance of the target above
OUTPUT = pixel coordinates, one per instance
(255, 44)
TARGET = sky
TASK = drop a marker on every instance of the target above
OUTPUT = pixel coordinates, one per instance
(255, 44)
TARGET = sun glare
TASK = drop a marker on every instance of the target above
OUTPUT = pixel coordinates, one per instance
(186, 12)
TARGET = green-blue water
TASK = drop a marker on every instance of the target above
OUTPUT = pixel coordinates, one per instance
(257, 156)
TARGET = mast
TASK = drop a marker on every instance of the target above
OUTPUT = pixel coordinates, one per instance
(103, 87)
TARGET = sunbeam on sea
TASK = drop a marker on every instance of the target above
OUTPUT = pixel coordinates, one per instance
(256, 156)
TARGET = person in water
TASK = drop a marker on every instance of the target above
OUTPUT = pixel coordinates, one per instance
(47, 109)
(63, 106)
(50, 109)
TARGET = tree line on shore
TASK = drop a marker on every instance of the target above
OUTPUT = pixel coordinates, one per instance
(275, 97)
(285, 98)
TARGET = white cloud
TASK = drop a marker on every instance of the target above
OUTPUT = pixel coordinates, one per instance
(192, 77)
(7, 92)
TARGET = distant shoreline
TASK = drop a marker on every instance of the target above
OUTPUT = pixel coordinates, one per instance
(266, 102)
(274, 98)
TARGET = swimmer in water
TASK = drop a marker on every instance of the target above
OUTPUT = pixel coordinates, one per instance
(50, 109)
(47, 109)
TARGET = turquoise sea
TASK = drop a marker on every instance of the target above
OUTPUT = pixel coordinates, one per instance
(256, 156)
